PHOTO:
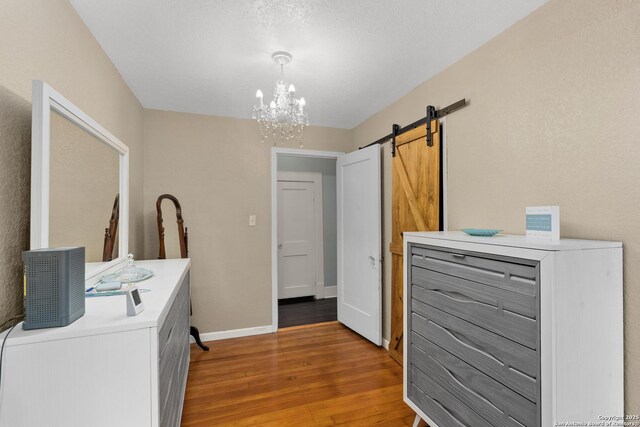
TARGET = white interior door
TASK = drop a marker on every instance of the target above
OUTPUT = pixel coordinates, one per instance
(359, 242)
(296, 239)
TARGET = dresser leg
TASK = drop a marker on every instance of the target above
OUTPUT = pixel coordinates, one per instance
(419, 422)
(195, 333)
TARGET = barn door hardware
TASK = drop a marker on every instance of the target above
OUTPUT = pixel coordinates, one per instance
(394, 132)
(431, 114)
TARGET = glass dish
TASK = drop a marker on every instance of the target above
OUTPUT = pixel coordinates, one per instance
(485, 232)
(128, 275)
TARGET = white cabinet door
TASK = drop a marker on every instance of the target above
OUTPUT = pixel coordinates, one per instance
(296, 239)
(359, 242)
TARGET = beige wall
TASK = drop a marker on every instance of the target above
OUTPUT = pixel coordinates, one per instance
(221, 174)
(553, 118)
(46, 40)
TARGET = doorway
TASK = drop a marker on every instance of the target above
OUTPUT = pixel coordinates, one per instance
(306, 238)
(304, 252)
(357, 209)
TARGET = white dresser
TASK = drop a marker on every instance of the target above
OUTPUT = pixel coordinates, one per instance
(105, 369)
(509, 331)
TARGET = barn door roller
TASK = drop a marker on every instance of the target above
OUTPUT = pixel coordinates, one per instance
(431, 114)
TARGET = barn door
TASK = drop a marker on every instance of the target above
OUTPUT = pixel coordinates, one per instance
(415, 207)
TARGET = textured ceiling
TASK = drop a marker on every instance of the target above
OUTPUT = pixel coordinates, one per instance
(350, 58)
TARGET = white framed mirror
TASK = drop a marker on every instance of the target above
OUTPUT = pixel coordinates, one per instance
(78, 169)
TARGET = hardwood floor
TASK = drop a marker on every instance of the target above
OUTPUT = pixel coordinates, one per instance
(298, 311)
(319, 375)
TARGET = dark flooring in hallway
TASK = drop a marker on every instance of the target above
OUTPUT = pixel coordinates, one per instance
(305, 311)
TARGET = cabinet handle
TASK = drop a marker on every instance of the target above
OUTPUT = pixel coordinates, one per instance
(467, 342)
(461, 256)
(456, 296)
(445, 409)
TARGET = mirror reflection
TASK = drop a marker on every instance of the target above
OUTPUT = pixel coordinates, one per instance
(174, 239)
(171, 240)
(84, 183)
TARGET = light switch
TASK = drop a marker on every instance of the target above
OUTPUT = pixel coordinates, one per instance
(252, 220)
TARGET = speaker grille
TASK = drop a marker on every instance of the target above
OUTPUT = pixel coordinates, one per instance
(43, 287)
(76, 278)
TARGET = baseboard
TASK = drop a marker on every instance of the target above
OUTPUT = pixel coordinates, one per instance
(246, 332)
(330, 291)
(234, 333)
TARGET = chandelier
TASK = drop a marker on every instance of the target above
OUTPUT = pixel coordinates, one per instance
(284, 119)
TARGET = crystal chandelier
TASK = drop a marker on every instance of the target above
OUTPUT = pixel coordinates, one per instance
(284, 119)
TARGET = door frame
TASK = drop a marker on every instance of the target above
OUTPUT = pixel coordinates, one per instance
(289, 152)
(316, 179)
(444, 177)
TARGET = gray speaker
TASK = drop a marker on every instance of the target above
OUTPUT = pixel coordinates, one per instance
(53, 287)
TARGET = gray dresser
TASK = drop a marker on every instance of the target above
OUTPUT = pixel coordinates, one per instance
(483, 317)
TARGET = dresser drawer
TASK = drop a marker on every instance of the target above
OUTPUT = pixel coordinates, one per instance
(510, 363)
(507, 313)
(172, 388)
(441, 406)
(173, 359)
(169, 321)
(513, 275)
(496, 403)
(177, 345)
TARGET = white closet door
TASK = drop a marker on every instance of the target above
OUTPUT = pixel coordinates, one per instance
(296, 239)
(359, 242)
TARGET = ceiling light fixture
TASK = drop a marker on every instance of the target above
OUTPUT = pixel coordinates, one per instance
(284, 118)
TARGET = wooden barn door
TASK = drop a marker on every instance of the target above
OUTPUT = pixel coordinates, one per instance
(415, 207)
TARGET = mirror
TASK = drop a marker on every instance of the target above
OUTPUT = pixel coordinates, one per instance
(77, 170)
(171, 238)
(83, 183)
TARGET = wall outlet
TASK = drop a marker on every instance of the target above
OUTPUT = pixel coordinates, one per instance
(252, 220)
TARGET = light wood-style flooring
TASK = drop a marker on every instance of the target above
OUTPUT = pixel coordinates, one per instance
(317, 375)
